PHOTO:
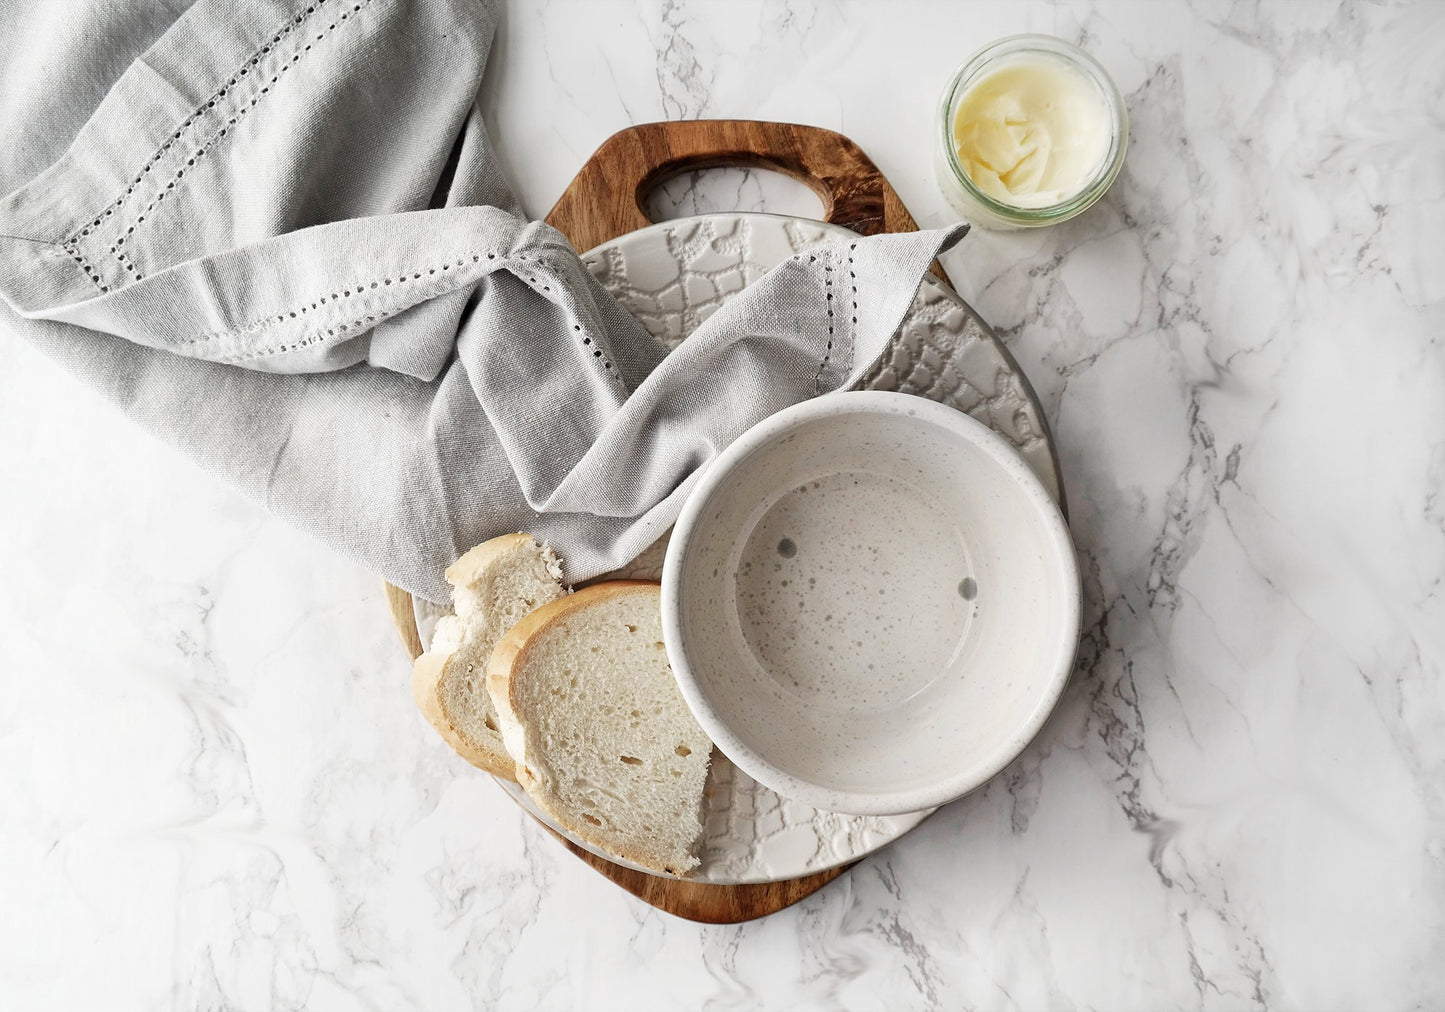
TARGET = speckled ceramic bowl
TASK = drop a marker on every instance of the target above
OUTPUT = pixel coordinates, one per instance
(871, 603)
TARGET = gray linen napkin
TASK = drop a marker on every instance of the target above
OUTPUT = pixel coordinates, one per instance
(282, 242)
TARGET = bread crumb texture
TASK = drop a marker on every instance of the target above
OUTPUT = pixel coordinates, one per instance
(613, 751)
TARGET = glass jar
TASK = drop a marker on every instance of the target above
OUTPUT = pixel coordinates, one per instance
(989, 211)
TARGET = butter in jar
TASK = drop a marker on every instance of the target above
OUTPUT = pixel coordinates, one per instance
(1033, 132)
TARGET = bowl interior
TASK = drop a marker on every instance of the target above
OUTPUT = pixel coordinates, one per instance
(875, 603)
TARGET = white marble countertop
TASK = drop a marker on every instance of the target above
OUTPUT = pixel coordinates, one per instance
(216, 792)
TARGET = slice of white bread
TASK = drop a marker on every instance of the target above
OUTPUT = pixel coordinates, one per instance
(602, 738)
(493, 586)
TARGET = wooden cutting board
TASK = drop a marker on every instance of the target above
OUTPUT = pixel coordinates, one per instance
(605, 201)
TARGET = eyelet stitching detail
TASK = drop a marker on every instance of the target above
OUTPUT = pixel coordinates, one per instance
(210, 142)
(363, 287)
(828, 294)
(193, 118)
(90, 272)
(828, 298)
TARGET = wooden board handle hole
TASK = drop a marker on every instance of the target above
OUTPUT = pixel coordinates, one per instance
(730, 188)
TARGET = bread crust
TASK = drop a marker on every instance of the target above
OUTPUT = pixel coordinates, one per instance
(429, 670)
(466, 568)
(511, 652)
(514, 642)
(426, 677)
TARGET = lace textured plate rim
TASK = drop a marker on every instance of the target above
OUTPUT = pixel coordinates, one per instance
(671, 276)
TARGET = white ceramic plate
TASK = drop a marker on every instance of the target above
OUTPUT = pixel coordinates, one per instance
(673, 276)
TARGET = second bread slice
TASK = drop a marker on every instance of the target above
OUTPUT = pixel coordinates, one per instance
(602, 739)
(493, 586)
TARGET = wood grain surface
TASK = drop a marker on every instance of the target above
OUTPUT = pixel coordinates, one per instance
(607, 199)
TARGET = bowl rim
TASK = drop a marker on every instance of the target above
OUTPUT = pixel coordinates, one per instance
(1055, 669)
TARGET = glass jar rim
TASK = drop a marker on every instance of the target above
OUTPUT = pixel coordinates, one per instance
(1113, 161)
